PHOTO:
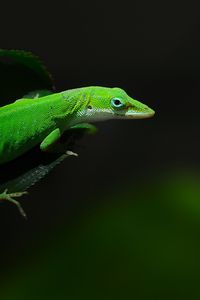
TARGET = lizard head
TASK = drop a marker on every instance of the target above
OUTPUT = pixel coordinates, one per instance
(114, 103)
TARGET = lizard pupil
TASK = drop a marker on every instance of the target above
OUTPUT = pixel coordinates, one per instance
(117, 102)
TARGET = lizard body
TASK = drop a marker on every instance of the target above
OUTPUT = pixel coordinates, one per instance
(28, 122)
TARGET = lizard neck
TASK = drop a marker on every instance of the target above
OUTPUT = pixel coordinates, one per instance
(74, 103)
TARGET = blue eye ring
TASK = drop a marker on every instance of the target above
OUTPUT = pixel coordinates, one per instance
(117, 103)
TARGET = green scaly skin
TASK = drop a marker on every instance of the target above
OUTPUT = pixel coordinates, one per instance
(42, 121)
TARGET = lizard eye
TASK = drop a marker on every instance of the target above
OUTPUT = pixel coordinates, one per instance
(117, 103)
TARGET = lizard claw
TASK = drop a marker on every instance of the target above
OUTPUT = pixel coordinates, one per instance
(69, 153)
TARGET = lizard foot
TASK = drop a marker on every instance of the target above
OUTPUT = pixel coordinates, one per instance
(5, 196)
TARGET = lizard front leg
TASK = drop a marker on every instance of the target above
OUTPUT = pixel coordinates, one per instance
(85, 127)
(49, 144)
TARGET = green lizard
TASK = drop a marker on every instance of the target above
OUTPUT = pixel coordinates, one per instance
(27, 122)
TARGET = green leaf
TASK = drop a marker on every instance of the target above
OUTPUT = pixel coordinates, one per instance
(20, 73)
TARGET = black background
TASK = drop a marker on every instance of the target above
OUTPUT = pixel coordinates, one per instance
(149, 48)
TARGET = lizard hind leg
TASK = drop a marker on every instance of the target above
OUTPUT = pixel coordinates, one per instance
(5, 196)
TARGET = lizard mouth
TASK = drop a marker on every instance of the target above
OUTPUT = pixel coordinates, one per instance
(140, 115)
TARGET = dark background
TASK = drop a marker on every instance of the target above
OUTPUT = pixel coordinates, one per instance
(149, 48)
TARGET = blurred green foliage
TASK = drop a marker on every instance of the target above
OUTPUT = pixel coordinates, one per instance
(143, 242)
